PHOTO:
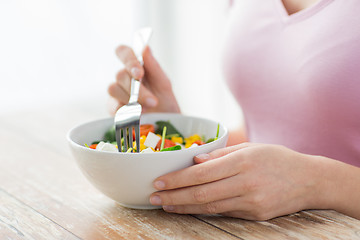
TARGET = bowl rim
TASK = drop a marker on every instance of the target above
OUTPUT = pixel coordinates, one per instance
(73, 143)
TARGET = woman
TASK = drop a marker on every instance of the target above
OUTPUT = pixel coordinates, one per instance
(294, 68)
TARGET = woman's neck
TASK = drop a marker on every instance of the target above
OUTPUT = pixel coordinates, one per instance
(294, 6)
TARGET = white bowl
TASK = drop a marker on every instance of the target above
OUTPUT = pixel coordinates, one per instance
(127, 177)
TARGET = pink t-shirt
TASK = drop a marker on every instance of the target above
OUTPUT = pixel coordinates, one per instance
(297, 77)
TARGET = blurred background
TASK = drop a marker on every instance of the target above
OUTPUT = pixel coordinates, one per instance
(63, 52)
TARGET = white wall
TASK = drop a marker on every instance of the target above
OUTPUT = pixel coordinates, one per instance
(55, 51)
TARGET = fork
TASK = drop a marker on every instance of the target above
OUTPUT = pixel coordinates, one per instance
(127, 118)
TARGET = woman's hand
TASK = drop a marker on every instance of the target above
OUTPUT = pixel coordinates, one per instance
(250, 181)
(155, 94)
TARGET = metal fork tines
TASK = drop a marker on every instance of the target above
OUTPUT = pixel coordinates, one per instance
(127, 120)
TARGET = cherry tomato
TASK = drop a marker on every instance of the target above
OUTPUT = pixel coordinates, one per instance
(199, 142)
(144, 130)
(167, 143)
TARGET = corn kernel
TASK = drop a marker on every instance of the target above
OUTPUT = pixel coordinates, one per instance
(142, 146)
(190, 140)
(177, 140)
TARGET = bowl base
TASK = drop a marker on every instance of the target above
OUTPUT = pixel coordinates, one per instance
(142, 207)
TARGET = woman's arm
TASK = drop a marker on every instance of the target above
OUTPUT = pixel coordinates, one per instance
(338, 186)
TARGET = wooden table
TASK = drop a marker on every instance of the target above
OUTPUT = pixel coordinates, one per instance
(43, 194)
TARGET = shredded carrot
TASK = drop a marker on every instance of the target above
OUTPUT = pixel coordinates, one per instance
(93, 146)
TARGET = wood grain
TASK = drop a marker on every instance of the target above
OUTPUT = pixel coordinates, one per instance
(43, 194)
(310, 224)
(19, 221)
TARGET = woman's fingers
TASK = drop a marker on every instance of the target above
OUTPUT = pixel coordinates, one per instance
(225, 207)
(209, 171)
(155, 76)
(146, 97)
(220, 152)
(201, 194)
(235, 201)
(215, 207)
(238, 207)
(154, 73)
(205, 186)
(123, 79)
(132, 64)
(117, 92)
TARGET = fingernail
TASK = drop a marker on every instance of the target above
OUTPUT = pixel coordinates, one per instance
(151, 102)
(155, 200)
(159, 185)
(168, 208)
(203, 156)
(135, 72)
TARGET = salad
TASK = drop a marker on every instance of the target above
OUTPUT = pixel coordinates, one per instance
(158, 137)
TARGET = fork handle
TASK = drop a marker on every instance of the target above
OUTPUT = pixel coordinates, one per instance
(134, 91)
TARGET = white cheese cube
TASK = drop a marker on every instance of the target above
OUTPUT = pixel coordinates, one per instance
(147, 150)
(152, 140)
(193, 145)
(100, 145)
(107, 147)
